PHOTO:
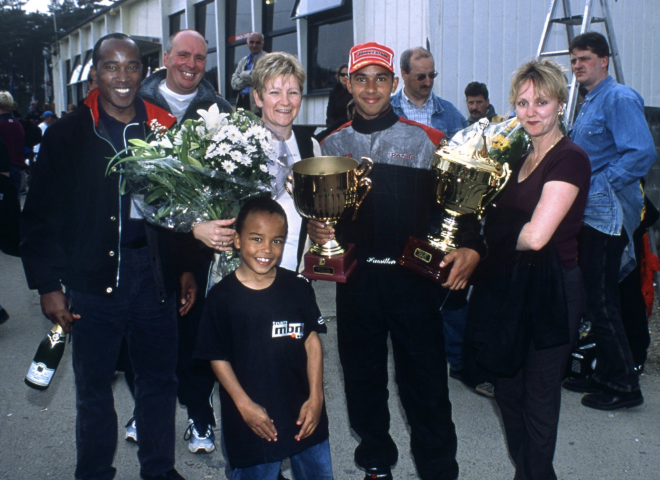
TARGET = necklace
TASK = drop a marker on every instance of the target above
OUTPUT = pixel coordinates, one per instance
(541, 157)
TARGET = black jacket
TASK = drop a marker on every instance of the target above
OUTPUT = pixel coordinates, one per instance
(519, 298)
(71, 223)
(205, 97)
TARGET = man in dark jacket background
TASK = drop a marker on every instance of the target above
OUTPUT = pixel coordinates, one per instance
(77, 231)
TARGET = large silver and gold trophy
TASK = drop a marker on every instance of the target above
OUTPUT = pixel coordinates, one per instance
(327, 189)
(467, 181)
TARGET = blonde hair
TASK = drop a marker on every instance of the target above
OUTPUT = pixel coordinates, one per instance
(6, 101)
(546, 76)
(273, 65)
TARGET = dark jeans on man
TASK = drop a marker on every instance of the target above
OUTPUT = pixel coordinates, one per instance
(599, 256)
(390, 300)
(530, 400)
(196, 378)
(149, 325)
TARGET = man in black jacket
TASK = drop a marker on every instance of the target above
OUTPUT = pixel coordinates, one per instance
(78, 231)
(181, 89)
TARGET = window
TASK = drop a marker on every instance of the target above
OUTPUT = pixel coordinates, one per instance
(205, 24)
(279, 28)
(330, 38)
(176, 22)
(305, 8)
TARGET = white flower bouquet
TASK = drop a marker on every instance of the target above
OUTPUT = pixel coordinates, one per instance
(197, 171)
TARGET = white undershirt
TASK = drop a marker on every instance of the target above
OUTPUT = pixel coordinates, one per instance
(289, 257)
(178, 103)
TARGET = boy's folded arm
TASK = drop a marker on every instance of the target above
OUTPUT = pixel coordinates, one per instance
(310, 413)
(253, 414)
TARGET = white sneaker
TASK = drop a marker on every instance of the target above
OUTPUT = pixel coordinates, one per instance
(131, 431)
(197, 441)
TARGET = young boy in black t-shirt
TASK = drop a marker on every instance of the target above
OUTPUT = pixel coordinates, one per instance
(260, 332)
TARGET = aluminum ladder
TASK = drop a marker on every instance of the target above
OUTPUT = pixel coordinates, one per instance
(585, 21)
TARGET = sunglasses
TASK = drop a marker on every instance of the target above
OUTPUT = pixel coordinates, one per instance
(422, 76)
(343, 74)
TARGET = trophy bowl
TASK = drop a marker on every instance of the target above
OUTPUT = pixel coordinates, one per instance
(463, 186)
(327, 189)
(467, 181)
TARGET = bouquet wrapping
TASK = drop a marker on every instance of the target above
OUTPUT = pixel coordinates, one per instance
(506, 142)
(199, 170)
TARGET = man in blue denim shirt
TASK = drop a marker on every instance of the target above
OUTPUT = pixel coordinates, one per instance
(416, 100)
(612, 129)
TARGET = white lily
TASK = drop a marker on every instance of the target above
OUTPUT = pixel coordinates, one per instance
(162, 142)
(213, 118)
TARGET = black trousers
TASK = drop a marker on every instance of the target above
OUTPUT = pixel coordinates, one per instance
(600, 258)
(243, 101)
(374, 303)
(633, 307)
(530, 401)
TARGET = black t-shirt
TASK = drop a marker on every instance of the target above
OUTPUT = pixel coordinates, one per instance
(565, 162)
(262, 334)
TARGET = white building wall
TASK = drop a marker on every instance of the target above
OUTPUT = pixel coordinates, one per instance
(486, 40)
(483, 40)
(143, 18)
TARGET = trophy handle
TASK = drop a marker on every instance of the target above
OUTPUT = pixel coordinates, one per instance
(365, 168)
(506, 174)
(366, 183)
(289, 184)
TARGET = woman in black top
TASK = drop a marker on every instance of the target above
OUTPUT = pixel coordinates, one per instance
(525, 310)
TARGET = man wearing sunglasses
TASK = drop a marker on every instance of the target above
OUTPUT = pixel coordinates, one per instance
(416, 101)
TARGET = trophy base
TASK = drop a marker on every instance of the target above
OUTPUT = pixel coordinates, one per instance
(334, 269)
(422, 257)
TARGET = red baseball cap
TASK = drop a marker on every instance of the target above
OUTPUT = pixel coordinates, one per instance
(370, 53)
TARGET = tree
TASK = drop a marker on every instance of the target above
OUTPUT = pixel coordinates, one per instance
(28, 35)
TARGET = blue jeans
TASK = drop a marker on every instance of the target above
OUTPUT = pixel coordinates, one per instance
(600, 257)
(150, 327)
(311, 464)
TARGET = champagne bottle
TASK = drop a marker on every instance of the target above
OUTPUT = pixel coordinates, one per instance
(46, 359)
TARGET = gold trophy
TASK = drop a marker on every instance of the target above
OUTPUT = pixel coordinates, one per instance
(327, 189)
(467, 181)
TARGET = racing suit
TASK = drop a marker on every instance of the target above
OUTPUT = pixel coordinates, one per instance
(382, 298)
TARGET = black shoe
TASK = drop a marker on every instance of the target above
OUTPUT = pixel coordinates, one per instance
(583, 385)
(612, 399)
(379, 473)
(4, 316)
(169, 475)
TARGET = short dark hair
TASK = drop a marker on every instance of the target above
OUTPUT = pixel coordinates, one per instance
(262, 203)
(407, 55)
(474, 89)
(593, 41)
(96, 53)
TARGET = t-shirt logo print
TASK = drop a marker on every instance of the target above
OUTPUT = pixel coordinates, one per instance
(286, 329)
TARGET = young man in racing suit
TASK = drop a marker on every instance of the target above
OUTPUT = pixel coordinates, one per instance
(382, 297)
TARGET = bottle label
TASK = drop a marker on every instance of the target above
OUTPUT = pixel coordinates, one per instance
(56, 338)
(40, 374)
